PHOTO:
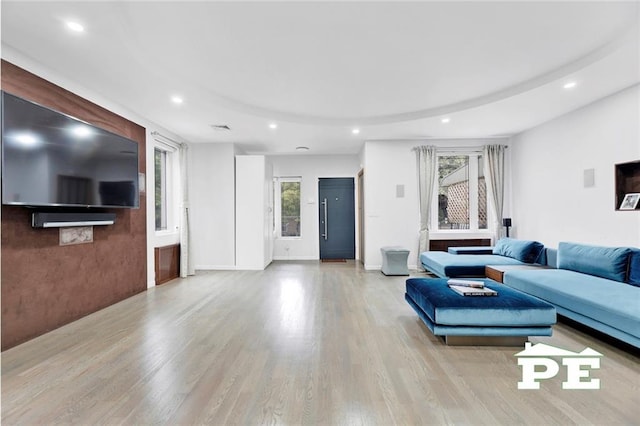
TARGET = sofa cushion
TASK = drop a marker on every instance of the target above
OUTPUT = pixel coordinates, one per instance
(634, 268)
(470, 250)
(551, 257)
(604, 262)
(522, 250)
(606, 301)
(445, 264)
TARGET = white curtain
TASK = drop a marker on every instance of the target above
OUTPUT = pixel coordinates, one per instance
(494, 176)
(186, 263)
(426, 164)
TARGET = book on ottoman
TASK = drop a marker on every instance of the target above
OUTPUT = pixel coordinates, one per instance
(472, 291)
(466, 283)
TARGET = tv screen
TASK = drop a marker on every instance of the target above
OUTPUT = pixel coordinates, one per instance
(52, 159)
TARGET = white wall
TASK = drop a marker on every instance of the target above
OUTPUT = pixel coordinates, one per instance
(391, 221)
(309, 168)
(267, 213)
(254, 212)
(551, 203)
(212, 200)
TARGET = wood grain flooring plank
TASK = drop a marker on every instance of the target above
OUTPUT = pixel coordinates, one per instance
(300, 343)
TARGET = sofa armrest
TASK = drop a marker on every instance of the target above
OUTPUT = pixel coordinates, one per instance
(471, 250)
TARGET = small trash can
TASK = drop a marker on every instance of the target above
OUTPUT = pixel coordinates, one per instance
(394, 260)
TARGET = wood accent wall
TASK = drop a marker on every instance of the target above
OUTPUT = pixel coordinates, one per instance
(167, 265)
(443, 245)
(44, 285)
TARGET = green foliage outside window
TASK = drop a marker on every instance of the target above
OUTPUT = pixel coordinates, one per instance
(290, 208)
(159, 188)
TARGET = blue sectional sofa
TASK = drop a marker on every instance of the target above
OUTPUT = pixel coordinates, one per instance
(593, 285)
(507, 251)
(596, 286)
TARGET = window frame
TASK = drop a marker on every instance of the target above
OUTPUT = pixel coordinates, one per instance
(278, 206)
(163, 189)
(171, 193)
(474, 230)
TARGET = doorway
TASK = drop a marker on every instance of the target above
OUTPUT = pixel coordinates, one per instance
(337, 218)
(361, 216)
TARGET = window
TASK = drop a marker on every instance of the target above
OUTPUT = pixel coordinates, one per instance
(167, 190)
(160, 168)
(288, 207)
(462, 194)
(482, 196)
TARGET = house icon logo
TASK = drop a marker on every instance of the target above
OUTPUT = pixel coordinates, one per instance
(578, 365)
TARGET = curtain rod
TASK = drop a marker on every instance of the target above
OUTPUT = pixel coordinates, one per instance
(158, 134)
(466, 147)
(456, 148)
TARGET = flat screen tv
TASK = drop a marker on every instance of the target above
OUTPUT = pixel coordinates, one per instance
(52, 159)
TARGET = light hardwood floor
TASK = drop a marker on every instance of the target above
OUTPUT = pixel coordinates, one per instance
(298, 343)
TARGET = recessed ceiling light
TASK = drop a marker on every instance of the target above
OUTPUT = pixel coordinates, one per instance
(75, 27)
(445, 120)
(273, 126)
(302, 148)
(355, 131)
(177, 100)
(570, 85)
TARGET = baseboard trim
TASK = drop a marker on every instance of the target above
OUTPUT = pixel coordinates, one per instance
(296, 258)
(215, 267)
(379, 267)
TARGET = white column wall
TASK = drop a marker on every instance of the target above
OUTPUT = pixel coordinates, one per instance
(253, 212)
(390, 221)
(212, 200)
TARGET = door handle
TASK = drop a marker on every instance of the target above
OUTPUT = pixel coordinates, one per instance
(326, 220)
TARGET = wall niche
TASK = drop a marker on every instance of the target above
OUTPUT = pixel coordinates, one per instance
(627, 182)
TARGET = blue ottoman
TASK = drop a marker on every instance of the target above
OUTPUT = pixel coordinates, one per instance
(506, 319)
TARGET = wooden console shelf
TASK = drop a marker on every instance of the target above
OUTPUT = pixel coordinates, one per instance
(443, 245)
(627, 181)
(496, 272)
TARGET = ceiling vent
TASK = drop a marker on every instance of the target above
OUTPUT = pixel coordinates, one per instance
(220, 127)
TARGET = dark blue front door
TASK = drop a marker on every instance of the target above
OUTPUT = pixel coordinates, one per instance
(337, 218)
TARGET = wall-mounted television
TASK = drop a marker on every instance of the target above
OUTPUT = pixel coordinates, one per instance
(52, 159)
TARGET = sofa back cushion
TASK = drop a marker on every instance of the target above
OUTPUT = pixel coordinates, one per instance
(604, 262)
(551, 257)
(522, 250)
(634, 268)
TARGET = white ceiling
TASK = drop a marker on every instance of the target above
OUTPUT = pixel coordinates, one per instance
(392, 69)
